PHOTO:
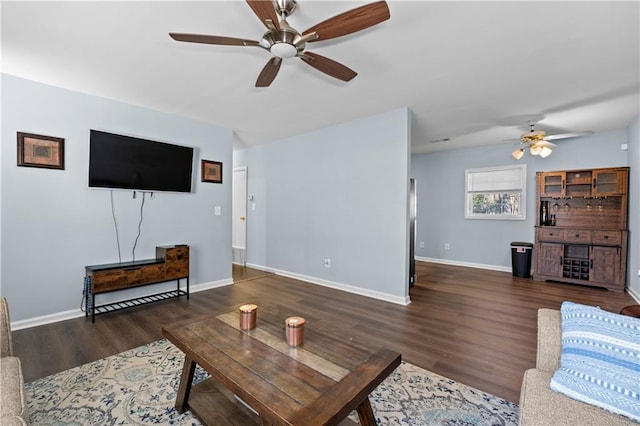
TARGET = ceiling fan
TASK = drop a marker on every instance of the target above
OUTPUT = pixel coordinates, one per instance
(538, 142)
(283, 41)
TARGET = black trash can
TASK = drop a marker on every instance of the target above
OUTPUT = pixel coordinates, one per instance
(521, 259)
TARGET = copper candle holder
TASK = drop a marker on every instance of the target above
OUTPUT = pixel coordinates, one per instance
(294, 330)
(248, 314)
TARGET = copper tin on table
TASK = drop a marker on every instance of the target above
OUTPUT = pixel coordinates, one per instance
(248, 314)
(294, 330)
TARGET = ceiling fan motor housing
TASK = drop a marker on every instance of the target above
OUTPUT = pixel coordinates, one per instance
(533, 136)
(282, 42)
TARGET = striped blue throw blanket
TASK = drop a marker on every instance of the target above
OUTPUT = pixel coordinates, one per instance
(600, 361)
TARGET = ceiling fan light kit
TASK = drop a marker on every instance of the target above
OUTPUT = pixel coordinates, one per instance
(545, 152)
(283, 41)
(284, 50)
(518, 153)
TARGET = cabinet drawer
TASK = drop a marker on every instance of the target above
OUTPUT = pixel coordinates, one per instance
(172, 253)
(613, 238)
(176, 260)
(116, 279)
(550, 234)
(177, 270)
(150, 274)
(577, 236)
(102, 281)
(178, 253)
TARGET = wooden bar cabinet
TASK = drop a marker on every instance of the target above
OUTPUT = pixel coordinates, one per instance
(582, 236)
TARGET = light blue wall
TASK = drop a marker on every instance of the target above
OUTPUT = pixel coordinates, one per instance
(486, 243)
(339, 192)
(633, 136)
(53, 224)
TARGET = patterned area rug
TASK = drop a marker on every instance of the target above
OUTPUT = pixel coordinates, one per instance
(138, 387)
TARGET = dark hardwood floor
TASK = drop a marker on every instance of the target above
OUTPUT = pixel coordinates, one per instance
(472, 325)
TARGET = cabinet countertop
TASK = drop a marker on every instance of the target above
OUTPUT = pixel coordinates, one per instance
(133, 264)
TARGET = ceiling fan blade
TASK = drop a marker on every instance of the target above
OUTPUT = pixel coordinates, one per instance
(351, 21)
(264, 10)
(269, 72)
(328, 66)
(212, 39)
(567, 135)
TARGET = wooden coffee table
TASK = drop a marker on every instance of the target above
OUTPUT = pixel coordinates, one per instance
(256, 377)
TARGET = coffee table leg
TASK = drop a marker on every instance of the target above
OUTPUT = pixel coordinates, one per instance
(365, 413)
(185, 384)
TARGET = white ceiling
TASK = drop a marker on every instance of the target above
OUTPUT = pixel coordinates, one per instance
(472, 72)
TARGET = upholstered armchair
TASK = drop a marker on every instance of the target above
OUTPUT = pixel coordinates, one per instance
(13, 403)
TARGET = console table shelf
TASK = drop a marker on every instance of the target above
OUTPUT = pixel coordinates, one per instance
(138, 301)
(171, 263)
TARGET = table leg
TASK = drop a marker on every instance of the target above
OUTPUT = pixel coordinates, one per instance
(365, 413)
(186, 379)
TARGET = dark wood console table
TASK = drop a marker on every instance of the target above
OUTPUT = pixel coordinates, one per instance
(171, 263)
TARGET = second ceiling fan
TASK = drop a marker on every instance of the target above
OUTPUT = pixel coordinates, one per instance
(538, 142)
(283, 41)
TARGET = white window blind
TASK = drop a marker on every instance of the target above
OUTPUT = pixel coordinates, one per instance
(494, 180)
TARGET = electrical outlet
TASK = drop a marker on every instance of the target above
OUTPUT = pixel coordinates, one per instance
(446, 246)
(327, 262)
(421, 244)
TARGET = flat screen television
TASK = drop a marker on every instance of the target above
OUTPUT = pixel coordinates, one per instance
(125, 162)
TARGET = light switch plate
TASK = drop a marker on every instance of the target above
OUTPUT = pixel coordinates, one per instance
(217, 210)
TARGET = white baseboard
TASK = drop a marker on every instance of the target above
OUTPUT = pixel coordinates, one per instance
(212, 284)
(77, 313)
(46, 319)
(633, 294)
(258, 267)
(338, 286)
(467, 264)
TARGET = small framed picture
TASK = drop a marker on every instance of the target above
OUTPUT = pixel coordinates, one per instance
(211, 171)
(40, 151)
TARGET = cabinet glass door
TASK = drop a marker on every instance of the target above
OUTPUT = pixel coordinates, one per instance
(552, 184)
(607, 182)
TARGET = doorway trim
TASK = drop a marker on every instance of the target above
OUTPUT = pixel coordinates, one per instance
(239, 216)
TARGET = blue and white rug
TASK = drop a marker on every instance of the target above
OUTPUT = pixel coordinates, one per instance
(138, 387)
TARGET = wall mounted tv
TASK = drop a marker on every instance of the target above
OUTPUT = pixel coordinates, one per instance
(125, 162)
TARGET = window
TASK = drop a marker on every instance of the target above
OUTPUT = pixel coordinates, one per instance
(496, 192)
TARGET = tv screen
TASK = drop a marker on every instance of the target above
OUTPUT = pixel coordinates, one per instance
(125, 162)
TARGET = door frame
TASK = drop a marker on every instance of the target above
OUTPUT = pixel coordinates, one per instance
(239, 254)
